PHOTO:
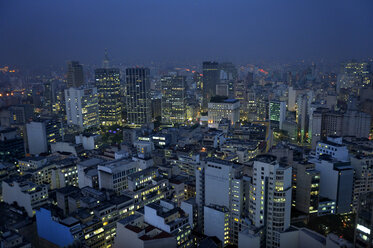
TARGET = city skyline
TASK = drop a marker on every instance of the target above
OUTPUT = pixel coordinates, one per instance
(186, 124)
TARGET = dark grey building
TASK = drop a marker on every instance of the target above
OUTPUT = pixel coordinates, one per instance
(138, 100)
(211, 77)
(75, 76)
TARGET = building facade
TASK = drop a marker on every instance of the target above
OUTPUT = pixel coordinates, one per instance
(82, 107)
(109, 96)
(137, 96)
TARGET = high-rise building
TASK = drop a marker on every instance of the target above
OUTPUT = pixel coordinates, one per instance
(241, 94)
(211, 77)
(354, 76)
(305, 187)
(75, 77)
(41, 133)
(49, 95)
(336, 173)
(262, 109)
(173, 99)
(82, 107)
(270, 199)
(137, 96)
(20, 114)
(277, 112)
(109, 96)
(228, 76)
(363, 177)
(11, 145)
(220, 195)
(303, 116)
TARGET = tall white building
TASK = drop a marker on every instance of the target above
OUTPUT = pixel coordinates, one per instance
(363, 177)
(41, 133)
(219, 108)
(332, 160)
(270, 199)
(220, 192)
(82, 107)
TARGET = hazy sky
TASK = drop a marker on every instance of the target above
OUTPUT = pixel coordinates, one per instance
(54, 31)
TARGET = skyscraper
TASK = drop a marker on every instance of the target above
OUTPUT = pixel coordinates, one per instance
(173, 99)
(75, 77)
(354, 75)
(109, 99)
(211, 77)
(137, 96)
(270, 202)
(82, 107)
(228, 75)
(277, 112)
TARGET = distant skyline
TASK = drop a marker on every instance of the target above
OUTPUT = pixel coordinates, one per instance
(44, 32)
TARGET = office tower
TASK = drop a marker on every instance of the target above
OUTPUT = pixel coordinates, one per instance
(82, 107)
(156, 106)
(292, 98)
(270, 199)
(262, 109)
(198, 80)
(173, 99)
(221, 107)
(20, 114)
(11, 145)
(303, 108)
(251, 105)
(228, 76)
(305, 187)
(241, 94)
(49, 95)
(74, 77)
(41, 133)
(137, 96)
(363, 177)
(277, 112)
(109, 96)
(211, 77)
(364, 222)
(354, 76)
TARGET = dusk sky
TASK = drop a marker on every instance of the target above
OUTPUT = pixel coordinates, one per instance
(52, 32)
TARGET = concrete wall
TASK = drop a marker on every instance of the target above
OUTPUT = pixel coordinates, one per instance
(217, 185)
(214, 221)
(36, 136)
